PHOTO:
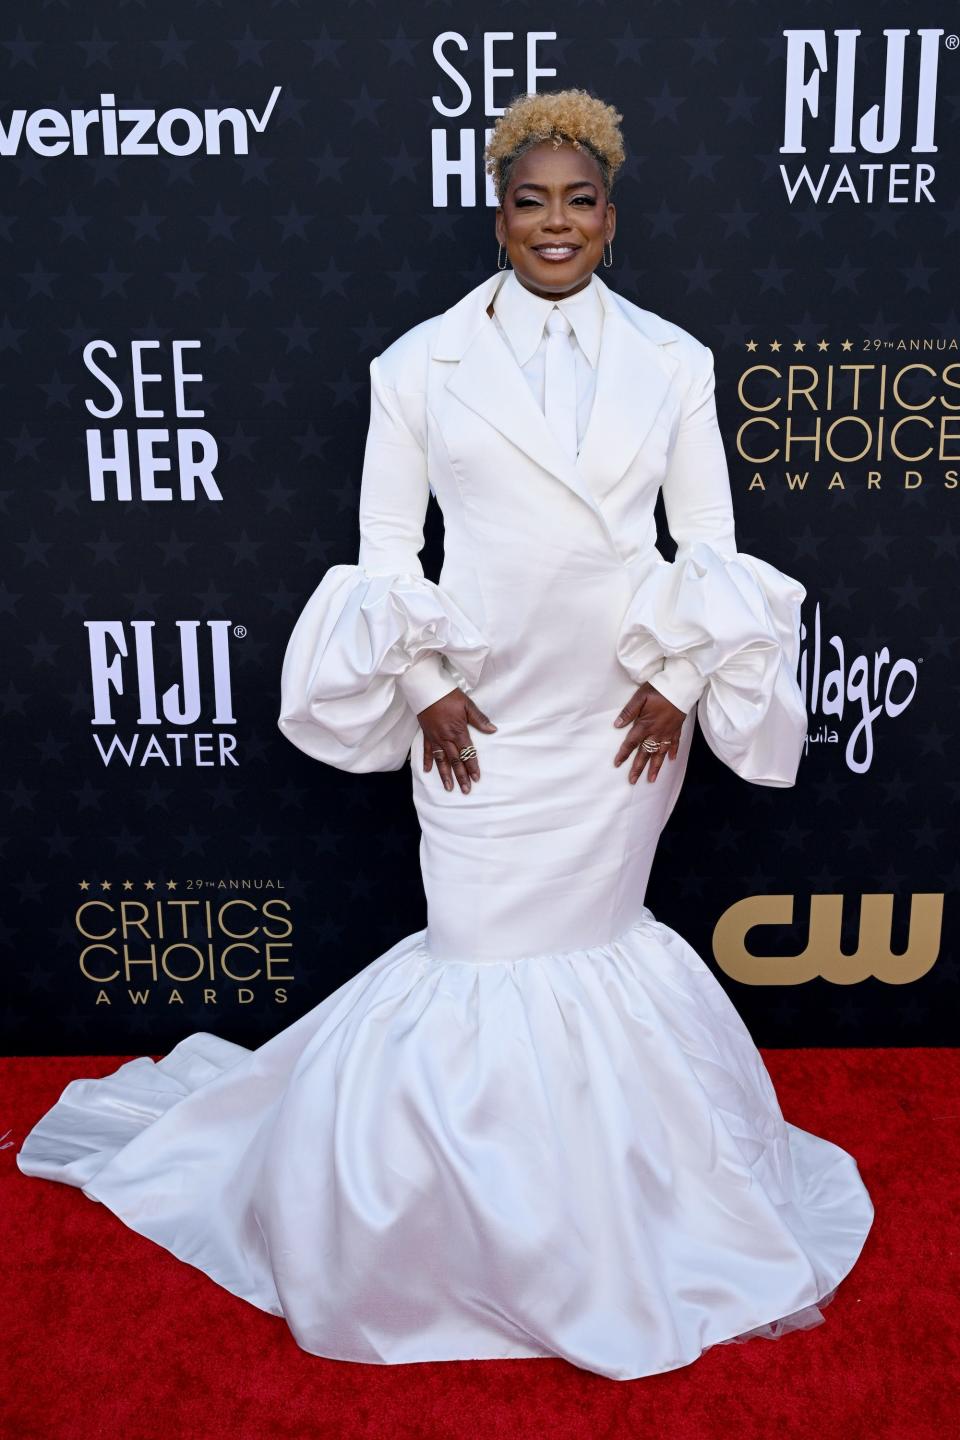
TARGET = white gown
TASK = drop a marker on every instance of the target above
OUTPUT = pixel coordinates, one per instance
(539, 1126)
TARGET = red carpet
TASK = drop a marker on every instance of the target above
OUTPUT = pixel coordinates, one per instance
(105, 1334)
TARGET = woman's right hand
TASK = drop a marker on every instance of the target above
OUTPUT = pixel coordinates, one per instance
(445, 734)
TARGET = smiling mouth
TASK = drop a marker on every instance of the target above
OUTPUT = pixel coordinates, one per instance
(556, 252)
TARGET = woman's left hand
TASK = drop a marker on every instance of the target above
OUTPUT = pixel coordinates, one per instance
(647, 712)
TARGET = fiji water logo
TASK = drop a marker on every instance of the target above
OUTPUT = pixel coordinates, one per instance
(826, 75)
(839, 688)
(168, 709)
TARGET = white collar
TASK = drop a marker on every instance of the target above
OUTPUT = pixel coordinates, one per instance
(524, 314)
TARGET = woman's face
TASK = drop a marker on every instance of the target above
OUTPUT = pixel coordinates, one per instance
(555, 199)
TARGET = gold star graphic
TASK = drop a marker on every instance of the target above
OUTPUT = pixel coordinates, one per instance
(823, 345)
(846, 345)
(751, 345)
(774, 344)
(799, 345)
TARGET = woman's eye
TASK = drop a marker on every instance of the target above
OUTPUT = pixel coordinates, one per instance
(528, 200)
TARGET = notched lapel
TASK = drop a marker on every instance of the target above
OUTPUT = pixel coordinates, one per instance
(489, 381)
(634, 372)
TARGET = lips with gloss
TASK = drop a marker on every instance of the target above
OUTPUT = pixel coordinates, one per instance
(567, 254)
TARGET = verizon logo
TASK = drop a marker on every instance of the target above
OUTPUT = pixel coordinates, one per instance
(127, 131)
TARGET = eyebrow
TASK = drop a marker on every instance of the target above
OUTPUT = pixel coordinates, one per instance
(574, 185)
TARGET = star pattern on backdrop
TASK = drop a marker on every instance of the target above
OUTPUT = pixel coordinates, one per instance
(294, 265)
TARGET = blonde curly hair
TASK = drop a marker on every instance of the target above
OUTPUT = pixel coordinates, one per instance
(557, 115)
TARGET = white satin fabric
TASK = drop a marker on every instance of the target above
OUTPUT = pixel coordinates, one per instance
(578, 1154)
(737, 622)
(521, 317)
(537, 1127)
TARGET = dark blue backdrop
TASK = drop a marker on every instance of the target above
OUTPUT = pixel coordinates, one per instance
(341, 201)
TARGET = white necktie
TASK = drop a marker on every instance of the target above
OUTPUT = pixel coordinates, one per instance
(560, 382)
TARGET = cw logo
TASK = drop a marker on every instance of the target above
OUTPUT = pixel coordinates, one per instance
(822, 955)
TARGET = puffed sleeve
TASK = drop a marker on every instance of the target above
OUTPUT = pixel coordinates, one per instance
(377, 641)
(727, 622)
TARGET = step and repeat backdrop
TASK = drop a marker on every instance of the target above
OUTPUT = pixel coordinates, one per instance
(212, 218)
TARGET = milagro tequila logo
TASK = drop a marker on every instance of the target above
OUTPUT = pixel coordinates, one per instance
(837, 687)
(177, 726)
(877, 131)
(133, 130)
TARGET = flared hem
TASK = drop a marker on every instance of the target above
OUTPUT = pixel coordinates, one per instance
(809, 1317)
(578, 1157)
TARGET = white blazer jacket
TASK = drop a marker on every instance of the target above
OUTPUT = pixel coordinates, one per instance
(451, 413)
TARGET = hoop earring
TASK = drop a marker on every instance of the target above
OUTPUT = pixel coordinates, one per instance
(499, 253)
(607, 263)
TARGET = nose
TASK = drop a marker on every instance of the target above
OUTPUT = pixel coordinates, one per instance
(556, 219)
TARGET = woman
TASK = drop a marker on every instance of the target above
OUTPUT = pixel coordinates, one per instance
(538, 1127)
